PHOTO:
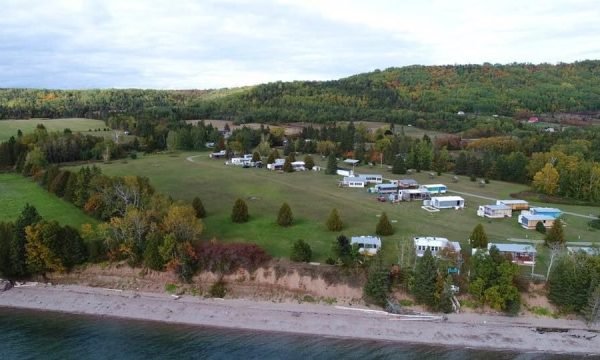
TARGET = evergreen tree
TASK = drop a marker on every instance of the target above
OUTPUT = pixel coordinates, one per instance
(198, 207)
(377, 287)
(592, 310)
(152, 258)
(334, 222)
(424, 287)
(70, 187)
(399, 166)
(271, 158)
(284, 217)
(29, 216)
(331, 165)
(287, 165)
(309, 163)
(384, 227)
(446, 295)
(479, 239)
(539, 227)
(461, 164)
(556, 234)
(239, 213)
(440, 160)
(255, 156)
(7, 232)
(301, 251)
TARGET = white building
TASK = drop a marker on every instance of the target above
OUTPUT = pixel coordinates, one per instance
(446, 202)
(277, 165)
(354, 181)
(367, 245)
(372, 178)
(298, 165)
(434, 244)
(494, 211)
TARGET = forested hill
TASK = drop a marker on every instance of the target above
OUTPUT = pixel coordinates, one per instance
(396, 94)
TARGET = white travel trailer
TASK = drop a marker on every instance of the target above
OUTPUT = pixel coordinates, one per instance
(367, 245)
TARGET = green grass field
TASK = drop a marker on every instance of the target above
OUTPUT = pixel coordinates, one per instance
(10, 127)
(16, 191)
(312, 195)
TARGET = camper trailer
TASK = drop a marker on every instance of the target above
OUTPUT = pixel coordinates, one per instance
(447, 202)
(367, 245)
(494, 211)
(435, 188)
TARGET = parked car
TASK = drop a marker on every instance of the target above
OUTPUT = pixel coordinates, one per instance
(381, 198)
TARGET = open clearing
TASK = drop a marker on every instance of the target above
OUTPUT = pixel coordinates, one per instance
(16, 191)
(10, 127)
(312, 195)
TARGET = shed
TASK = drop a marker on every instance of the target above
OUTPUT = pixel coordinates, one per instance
(447, 202)
(514, 204)
(522, 254)
(494, 211)
(367, 245)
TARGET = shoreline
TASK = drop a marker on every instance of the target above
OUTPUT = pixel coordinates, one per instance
(475, 331)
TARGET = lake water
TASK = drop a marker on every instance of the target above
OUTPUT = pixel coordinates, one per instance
(44, 335)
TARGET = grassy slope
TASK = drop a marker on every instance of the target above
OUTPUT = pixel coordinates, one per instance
(9, 127)
(16, 191)
(311, 196)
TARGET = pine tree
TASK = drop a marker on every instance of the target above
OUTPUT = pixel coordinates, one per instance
(556, 233)
(287, 165)
(334, 222)
(592, 310)
(425, 280)
(285, 217)
(309, 163)
(384, 227)
(198, 207)
(239, 213)
(271, 158)
(331, 165)
(399, 166)
(479, 239)
(461, 164)
(301, 251)
(29, 216)
(377, 287)
(255, 156)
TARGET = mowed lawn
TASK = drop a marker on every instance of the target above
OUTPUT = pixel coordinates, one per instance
(16, 191)
(311, 196)
(10, 127)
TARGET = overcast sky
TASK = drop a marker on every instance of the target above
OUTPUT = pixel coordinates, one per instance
(183, 44)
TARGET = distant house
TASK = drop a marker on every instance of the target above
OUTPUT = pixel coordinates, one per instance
(372, 178)
(533, 120)
(494, 211)
(446, 202)
(386, 188)
(344, 172)
(434, 244)
(412, 194)
(460, 113)
(298, 165)
(408, 184)
(217, 155)
(520, 254)
(529, 221)
(277, 165)
(515, 205)
(435, 188)
(367, 245)
(555, 213)
(354, 182)
(352, 162)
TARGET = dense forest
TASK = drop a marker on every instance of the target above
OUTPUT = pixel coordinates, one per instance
(434, 94)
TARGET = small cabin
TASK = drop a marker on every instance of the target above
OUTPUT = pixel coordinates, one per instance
(372, 178)
(521, 254)
(447, 202)
(435, 188)
(367, 245)
(494, 211)
(344, 172)
(515, 205)
(530, 221)
(386, 188)
(434, 244)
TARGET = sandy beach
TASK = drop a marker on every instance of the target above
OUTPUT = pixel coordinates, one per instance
(463, 330)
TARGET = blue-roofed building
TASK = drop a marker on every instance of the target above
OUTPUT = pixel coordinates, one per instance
(530, 221)
(555, 213)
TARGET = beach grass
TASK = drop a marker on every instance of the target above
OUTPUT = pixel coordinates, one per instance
(16, 191)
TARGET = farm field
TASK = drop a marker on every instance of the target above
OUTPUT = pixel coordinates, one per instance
(10, 127)
(312, 195)
(16, 191)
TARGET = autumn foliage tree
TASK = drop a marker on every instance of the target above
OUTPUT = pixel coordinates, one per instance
(546, 180)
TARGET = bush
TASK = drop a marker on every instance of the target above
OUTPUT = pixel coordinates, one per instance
(239, 213)
(330, 261)
(171, 288)
(285, 217)
(334, 222)
(539, 227)
(301, 251)
(198, 208)
(133, 155)
(384, 227)
(218, 289)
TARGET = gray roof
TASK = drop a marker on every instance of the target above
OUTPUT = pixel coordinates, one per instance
(408, 182)
(519, 248)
